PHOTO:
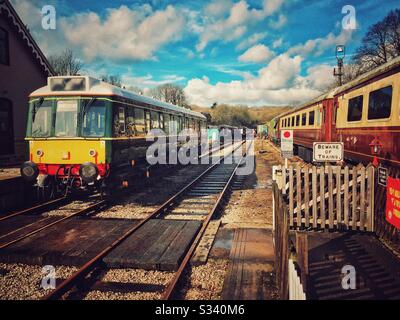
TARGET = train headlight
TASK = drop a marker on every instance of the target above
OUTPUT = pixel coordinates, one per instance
(92, 153)
(88, 172)
(29, 171)
(39, 152)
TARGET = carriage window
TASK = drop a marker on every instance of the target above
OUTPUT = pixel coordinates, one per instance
(167, 122)
(121, 119)
(354, 112)
(4, 47)
(140, 125)
(66, 118)
(148, 121)
(155, 121)
(162, 124)
(293, 121)
(42, 118)
(304, 119)
(297, 120)
(380, 103)
(94, 120)
(311, 117)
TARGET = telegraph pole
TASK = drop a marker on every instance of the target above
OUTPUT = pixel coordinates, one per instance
(340, 55)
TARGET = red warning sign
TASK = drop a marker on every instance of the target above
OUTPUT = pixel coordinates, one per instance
(393, 202)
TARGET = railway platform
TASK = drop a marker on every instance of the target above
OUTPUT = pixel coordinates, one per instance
(13, 190)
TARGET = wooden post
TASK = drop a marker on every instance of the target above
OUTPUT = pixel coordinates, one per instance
(346, 197)
(291, 196)
(302, 256)
(298, 195)
(330, 197)
(354, 200)
(306, 196)
(362, 199)
(339, 195)
(314, 196)
(322, 196)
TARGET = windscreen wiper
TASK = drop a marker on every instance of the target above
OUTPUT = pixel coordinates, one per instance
(36, 107)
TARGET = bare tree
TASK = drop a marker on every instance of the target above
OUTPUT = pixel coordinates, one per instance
(115, 80)
(381, 43)
(170, 93)
(66, 63)
(136, 90)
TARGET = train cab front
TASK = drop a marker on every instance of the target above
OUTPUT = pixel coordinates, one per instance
(67, 143)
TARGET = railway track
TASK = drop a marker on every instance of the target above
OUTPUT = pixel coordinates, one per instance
(14, 229)
(212, 186)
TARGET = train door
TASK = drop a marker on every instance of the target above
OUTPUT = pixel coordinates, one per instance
(6, 127)
(328, 119)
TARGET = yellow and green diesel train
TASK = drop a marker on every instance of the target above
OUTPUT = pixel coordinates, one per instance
(83, 132)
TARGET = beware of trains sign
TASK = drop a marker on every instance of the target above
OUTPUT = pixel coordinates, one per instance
(328, 151)
(393, 202)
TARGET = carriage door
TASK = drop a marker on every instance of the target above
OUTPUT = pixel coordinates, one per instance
(6, 128)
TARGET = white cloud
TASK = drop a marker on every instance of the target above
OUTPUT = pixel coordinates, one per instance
(251, 40)
(278, 23)
(279, 83)
(130, 34)
(277, 43)
(258, 53)
(148, 81)
(231, 26)
(218, 8)
(320, 76)
(318, 46)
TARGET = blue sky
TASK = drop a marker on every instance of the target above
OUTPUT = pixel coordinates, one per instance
(265, 52)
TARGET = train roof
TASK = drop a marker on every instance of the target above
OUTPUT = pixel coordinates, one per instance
(88, 86)
(388, 66)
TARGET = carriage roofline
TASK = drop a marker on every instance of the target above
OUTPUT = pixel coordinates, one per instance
(96, 87)
(384, 68)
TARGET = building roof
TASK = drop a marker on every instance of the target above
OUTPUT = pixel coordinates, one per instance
(8, 10)
(94, 87)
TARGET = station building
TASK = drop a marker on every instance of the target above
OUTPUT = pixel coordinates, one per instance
(23, 69)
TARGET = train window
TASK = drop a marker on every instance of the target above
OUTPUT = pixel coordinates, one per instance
(148, 121)
(297, 120)
(94, 121)
(319, 117)
(380, 103)
(354, 112)
(140, 125)
(167, 122)
(311, 118)
(66, 118)
(293, 121)
(42, 118)
(155, 120)
(162, 125)
(121, 119)
(304, 119)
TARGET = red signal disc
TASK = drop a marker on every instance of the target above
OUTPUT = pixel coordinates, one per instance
(286, 134)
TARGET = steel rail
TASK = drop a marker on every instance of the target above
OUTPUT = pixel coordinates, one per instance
(170, 290)
(89, 266)
(33, 209)
(95, 206)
